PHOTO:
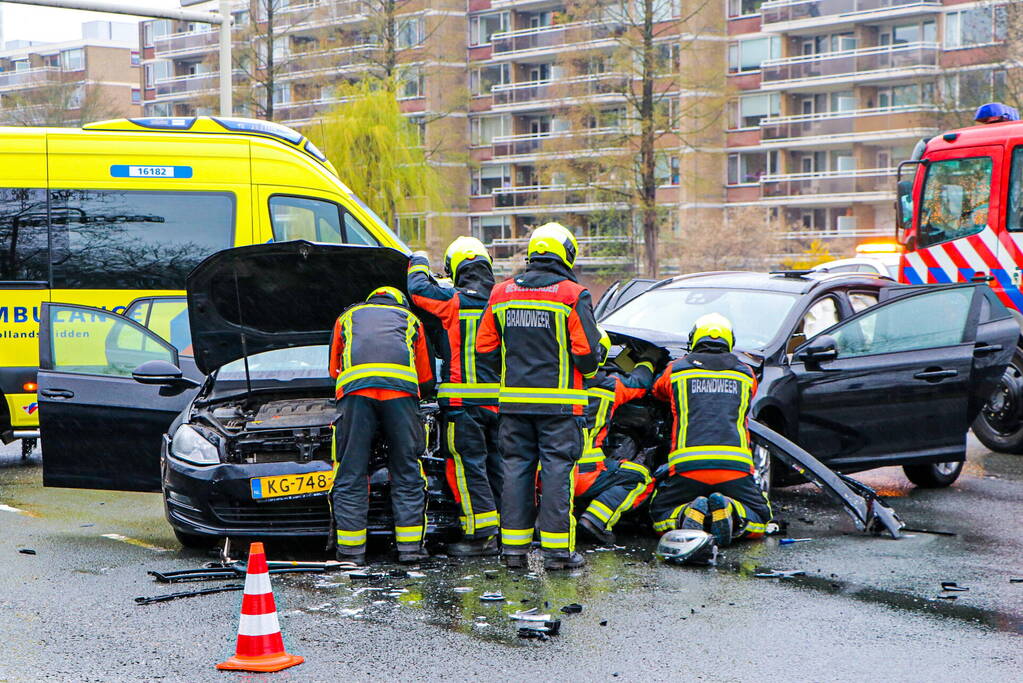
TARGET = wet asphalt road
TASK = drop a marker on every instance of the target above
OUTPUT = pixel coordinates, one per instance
(869, 608)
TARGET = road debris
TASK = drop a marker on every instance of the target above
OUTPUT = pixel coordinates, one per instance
(463, 589)
(26, 551)
(534, 624)
(790, 541)
(188, 594)
(948, 597)
(780, 574)
(492, 597)
(952, 586)
(573, 608)
(1016, 580)
(415, 575)
(929, 531)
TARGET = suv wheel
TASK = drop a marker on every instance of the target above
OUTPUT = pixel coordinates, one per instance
(934, 475)
(1000, 423)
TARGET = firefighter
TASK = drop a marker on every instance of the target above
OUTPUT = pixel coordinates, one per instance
(708, 482)
(468, 387)
(542, 322)
(610, 485)
(379, 358)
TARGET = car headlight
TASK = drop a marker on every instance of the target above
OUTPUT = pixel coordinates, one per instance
(191, 446)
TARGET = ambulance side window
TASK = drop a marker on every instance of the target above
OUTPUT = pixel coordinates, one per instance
(1014, 217)
(24, 242)
(315, 220)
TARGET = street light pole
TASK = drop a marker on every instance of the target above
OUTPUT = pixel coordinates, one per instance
(223, 19)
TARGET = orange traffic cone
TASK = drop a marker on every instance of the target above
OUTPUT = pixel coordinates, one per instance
(260, 645)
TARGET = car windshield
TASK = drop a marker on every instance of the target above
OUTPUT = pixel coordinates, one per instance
(300, 362)
(755, 315)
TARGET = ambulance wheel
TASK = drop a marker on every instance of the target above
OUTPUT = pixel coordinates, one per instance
(935, 475)
(1000, 423)
(196, 541)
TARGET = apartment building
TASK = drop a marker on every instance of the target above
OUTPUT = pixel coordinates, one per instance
(833, 94)
(72, 82)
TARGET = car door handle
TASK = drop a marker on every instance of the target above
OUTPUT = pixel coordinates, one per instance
(982, 349)
(57, 393)
(933, 375)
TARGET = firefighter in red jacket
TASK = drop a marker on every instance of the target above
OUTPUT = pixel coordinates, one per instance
(468, 387)
(542, 322)
(379, 358)
(610, 485)
(708, 482)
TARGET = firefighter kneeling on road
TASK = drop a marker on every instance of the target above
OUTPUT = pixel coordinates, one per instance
(542, 321)
(468, 387)
(708, 482)
(609, 485)
(379, 357)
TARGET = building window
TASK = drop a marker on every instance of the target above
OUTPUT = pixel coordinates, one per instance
(969, 89)
(667, 169)
(413, 83)
(746, 168)
(977, 26)
(72, 60)
(483, 129)
(743, 8)
(282, 94)
(489, 228)
(489, 178)
(136, 96)
(748, 55)
(746, 112)
(136, 59)
(412, 229)
(410, 32)
(482, 81)
(483, 26)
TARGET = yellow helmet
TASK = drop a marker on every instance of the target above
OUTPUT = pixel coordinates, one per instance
(712, 328)
(392, 292)
(464, 249)
(553, 239)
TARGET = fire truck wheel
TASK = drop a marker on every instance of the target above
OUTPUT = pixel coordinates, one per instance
(1000, 423)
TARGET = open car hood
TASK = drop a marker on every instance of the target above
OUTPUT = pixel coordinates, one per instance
(271, 296)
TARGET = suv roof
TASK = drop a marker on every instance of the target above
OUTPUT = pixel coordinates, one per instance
(737, 279)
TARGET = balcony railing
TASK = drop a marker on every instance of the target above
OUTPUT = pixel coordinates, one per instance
(593, 251)
(847, 122)
(533, 143)
(578, 86)
(29, 77)
(305, 109)
(321, 13)
(183, 43)
(850, 63)
(553, 195)
(827, 182)
(774, 11)
(552, 37)
(329, 60)
(183, 85)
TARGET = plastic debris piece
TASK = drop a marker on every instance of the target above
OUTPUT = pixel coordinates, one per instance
(496, 596)
(189, 594)
(463, 589)
(604, 623)
(780, 574)
(574, 608)
(1015, 580)
(530, 615)
(533, 633)
(948, 597)
(349, 612)
(26, 551)
(490, 573)
(790, 541)
(415, 575)
(365, 576)
(772, 528)
(952, 586)
(929, 531)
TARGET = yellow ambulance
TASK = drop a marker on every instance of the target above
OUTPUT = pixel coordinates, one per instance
(123, 209)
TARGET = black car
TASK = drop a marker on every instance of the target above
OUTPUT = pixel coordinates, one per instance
(858, 370)
(239, 440)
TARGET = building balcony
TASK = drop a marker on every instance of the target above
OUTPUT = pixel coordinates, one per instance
(554, 143)
(597, 251)
(556, 197)
(819, 13)
(847, 124)
(28, 78)
(849, 66)
(313, 14)
(824, 185)
(304, 110)
(542, 39)
(326, 61)
(188, 43)
(191, 84)
(535, 93)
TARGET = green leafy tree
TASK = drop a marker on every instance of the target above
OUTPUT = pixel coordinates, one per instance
(378, 151)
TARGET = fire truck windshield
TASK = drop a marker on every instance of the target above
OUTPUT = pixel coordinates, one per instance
(955, 201)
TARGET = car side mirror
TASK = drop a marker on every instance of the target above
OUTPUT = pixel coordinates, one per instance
(822, 347)
(161, 373)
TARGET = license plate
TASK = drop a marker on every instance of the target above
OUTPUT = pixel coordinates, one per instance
(291, 485)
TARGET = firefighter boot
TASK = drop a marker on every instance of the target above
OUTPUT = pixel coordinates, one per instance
(721, 519)
(594, 530)
(694, 515)
(553, 560)
(359, 559)
(515, 560)
(413, 556)
(475, 547)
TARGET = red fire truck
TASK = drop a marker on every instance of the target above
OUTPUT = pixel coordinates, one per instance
(960, 218)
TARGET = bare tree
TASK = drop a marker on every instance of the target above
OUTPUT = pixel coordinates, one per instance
(741, 238)
(66, 104)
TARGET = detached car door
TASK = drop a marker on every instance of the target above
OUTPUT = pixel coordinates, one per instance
(905, 381)
(100, 428)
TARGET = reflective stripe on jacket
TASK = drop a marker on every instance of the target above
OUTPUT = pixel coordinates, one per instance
(467, 377)
(543, 324)
(710, 396)
(379, 345)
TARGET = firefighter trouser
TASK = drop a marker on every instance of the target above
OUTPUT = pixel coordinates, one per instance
(475, 469)
(621, 487)
(751, 511)
(554, 443)
(398, 419)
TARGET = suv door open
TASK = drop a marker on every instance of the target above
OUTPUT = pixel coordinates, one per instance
(101, 428)
(900, 380)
